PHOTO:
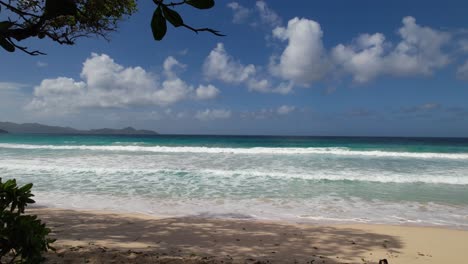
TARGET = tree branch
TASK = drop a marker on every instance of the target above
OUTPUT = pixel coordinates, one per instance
(25, 50)
(196, 30)
(17, 11)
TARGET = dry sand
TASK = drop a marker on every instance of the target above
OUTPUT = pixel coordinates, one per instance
(103, 237)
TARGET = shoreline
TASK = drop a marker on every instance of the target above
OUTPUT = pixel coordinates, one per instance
(112, 237)
(235, 217)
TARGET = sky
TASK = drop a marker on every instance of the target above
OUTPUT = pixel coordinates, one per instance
(325, 68)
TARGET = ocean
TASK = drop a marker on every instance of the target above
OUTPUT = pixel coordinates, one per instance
(412, 181)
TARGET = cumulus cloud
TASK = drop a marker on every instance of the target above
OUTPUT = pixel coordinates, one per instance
(206, 92)
(106, 84)
(419, 52)
(240, 13)
(285, 109)
(169, 64)
(363, 59)
(213, 114)
(462, 72)
(219, 65)
(267, 15)
(304, 59)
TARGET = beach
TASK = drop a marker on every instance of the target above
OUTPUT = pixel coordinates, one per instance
(109, 237)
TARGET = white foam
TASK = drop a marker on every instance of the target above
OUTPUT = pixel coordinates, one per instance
(246, 151)
(207, 168)
(325, 209)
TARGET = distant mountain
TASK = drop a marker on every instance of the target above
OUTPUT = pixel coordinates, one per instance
(35, 128)
(3, 131)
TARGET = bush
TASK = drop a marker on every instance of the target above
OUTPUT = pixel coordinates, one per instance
(23, 238)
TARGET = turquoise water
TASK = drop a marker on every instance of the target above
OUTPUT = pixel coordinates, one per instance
(302, 179)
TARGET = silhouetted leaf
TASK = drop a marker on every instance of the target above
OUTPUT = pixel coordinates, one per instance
(5, 25)
(201, 4)
(55, 8)
(172, 16)
(158, 24)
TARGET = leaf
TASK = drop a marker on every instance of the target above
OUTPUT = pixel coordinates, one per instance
(201, 4)
(10, 183)
(55, 8)
(4, 26)
(172, 16)
(158, 24)
(26, 187)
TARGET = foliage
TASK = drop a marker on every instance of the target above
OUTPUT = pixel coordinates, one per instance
(23, 238)
(64, 21)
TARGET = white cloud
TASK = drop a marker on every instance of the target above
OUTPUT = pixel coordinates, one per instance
(206, 92)
(213, 114)
(240, 13)
(267, 86)
(420, 52)
(172, 91)
(267, 15)
(304, 59)
(363, 59)
(462, 72)
(169, 64)
(106, 84)
(12, 85)
(41, 64)
(285, 109)
(219, 65)
(266, 113)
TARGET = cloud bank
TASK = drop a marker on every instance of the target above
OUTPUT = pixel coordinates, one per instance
(107, 84)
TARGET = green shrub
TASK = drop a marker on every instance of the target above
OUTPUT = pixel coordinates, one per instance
(23, 238)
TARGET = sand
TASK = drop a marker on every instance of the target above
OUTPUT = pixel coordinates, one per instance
(105, 237)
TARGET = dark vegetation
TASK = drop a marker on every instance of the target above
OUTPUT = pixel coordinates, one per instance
(65, 21)
(23, 238)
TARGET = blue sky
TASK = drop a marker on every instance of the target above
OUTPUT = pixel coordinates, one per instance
(370, 68)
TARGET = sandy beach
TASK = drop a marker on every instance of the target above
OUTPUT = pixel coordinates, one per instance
(106, 237)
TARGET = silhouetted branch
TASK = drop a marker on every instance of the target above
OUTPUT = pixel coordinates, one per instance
(212, 31)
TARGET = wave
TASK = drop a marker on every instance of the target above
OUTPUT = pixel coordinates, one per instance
(248, 151)
(122, 174)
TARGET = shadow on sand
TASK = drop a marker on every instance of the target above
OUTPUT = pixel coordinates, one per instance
(89, 237)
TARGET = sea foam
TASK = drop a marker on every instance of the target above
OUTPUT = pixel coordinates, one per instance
(341, 151)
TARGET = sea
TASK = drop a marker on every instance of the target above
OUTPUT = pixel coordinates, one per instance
(330, 180)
